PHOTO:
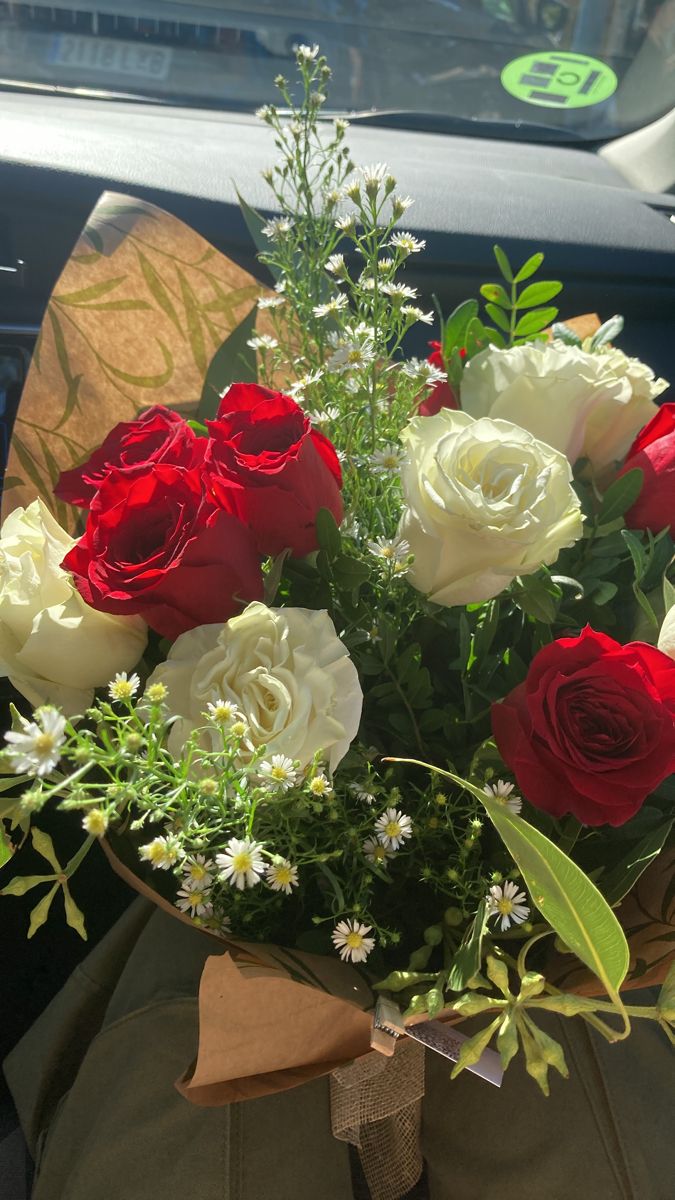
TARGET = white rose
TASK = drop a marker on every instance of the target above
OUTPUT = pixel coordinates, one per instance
(54, 648)
(285, 669)
(486, 502)
(586, 405)
(666, 640)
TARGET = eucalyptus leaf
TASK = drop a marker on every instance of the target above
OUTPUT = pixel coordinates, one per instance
(620, 496)
(467, 959)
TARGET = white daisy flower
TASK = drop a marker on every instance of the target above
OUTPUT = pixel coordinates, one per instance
(241, 865)
(335, 264)
(222, 712)
(336, 305)
(198, 870)
(306, 53)
(95, 822)
(392, 550)
(415, 314)
(276, 228)
(507, 903)
(34, 749)
(407, 243)
(297, 389)
(385, 264)
(262, 341)
(123, 686)
(351, 356)
(320, 786)
(341, 126)
(324, 416)
(423, 372)
(161, 852)
(389, 458)
(346, 223)
(278, 772)
(403, 203)
(393, 828)
(502, 791)
(351, 940)
(376, 852)
(195, 899)
(265, 112)
(270, 301)
(282, 876)
(399, 291)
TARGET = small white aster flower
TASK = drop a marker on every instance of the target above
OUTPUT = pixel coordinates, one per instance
(507, 903)
(161, 852)
(362, 794)
(351, 356)
(278, 772)
(341, 125)
(346, 222)
(399, 291)
(502, 791)
(385, 264)
(376, 852)
(197, 869)
(276, 228)
(34, 749)
(407, 243)
(335, 264)
(351, 940)
(242, 863)
(95, 822)
(265, 112)
(393, 828)
(195, 899)
(416, 314)
(423, 372)
(262, 341)
(306, 53)
(270, 301)
(403, 203)
(123, 686)
(282, 876)
(393, 550)
(336, 305)
(324, 416)
(320, 785)
(389, 458)
(222, 712)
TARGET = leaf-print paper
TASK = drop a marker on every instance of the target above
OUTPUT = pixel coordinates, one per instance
(135, 319)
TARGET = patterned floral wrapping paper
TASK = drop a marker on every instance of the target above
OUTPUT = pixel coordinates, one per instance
(137, 315)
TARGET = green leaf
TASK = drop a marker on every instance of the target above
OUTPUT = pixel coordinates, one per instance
(20, 884)
(455, 326)
(618, 882)
(45, 847)
(494, 292)
(74, 915)
(620, 496)
(473, 1048)
(538, 597)
(528, 268)
(328, 534)
(539, 293)
(466, 961)
(534, 322)
(41, 911)
(233, 362)
(255, 224)
(607, 332)
(6, 850)
(503, 263)
(498, 317)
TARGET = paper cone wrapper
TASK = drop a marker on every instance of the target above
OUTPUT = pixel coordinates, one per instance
(138, 313)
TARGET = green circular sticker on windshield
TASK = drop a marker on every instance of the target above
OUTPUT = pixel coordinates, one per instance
(556, 79)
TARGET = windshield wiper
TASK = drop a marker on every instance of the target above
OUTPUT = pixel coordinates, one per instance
(434, 122)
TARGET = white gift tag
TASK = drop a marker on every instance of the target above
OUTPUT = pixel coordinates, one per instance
(447, 1040)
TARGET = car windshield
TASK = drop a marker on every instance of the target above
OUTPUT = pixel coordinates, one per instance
(577, 69)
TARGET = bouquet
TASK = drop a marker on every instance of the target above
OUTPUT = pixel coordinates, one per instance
(362, 663)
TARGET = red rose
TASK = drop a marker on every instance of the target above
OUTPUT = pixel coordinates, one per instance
(653, 451)
(441, 395)
(158, 435)
(155, 546)
(591, 731)
(272, 469)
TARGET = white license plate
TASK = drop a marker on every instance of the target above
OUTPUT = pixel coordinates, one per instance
(105, 56)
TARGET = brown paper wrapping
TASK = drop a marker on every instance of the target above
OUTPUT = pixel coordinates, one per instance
(135, 318)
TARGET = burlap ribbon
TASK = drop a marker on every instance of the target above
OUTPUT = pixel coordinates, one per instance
(376, 1105)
